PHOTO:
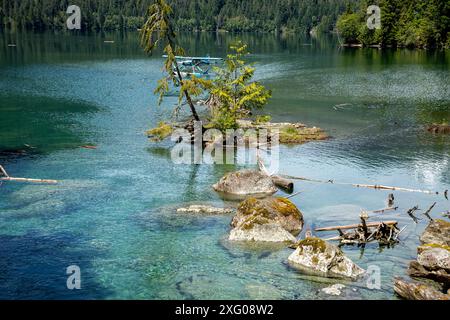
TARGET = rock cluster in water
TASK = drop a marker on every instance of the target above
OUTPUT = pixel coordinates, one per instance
(317, 257)
(433, 262)
(266, 220)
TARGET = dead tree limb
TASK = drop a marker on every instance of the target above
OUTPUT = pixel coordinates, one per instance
(3, 171)
(29, 180)
(8, 178)
(384, 210)
(359, 185)
(355, 226)
(411, 214)
(427, 213)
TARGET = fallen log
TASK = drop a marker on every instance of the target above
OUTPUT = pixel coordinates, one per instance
(29, 180)
(283, 183)
(280, 182)
(8, 178)
(384, 210)
(360, 185)
(355, 226)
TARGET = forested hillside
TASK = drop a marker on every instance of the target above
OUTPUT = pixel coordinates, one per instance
(414, 23)
(208, 15)
(404, 23)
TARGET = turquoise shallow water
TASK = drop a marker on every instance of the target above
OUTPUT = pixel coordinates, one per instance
(113, 214)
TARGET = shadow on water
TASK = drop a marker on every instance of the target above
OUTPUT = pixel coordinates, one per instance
(33, 266)
(33, 125)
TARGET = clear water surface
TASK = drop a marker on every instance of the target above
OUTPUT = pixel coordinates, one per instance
(113, 212)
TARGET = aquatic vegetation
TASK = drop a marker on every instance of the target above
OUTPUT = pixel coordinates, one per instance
(163, 131)
(292, 135)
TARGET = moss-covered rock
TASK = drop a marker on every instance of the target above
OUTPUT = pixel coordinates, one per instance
(289, 133)
(318, 257)
(293, 135)
(267, 220)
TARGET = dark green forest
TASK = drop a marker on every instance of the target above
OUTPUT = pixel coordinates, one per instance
(410, 23)
(405, 23)
(191, 15)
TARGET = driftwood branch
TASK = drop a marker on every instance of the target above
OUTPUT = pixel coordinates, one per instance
(359, 185)
(384, 210)
(427, 213)
(3, 171)
(411, 212)
(355, 226)
(29, 180)
(8, 178)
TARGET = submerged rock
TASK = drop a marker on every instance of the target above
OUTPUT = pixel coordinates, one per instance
(318, 257)
(437, 232)
(246, 182)
(266, 220)
(205, 210)
(334, 290)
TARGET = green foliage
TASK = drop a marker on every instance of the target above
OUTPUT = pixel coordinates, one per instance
(161, 132)
(349, 27)
(293, 135)
(236, 93)
(158, 30)
(262, 119)
(405, 23)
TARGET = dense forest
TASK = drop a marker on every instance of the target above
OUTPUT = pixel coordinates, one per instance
(415, 23)
(199, 15)
(404, 23)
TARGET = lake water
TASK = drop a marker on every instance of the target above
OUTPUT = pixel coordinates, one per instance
(112, 213)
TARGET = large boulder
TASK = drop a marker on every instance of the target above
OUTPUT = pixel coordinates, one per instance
(246, 183)
(437, 232)
(434, 257)
(266, 220)
(317, 257)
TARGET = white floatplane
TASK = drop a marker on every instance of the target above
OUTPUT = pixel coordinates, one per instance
(196, 66)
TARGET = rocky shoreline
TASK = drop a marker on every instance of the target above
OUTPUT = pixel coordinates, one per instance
(431, 270)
